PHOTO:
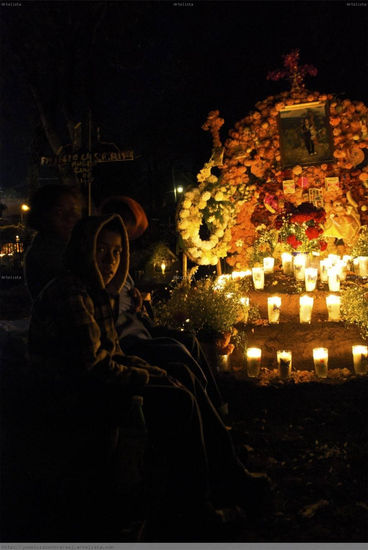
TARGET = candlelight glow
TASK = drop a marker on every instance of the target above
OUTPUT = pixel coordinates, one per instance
(258, 277)
(274, 306)
(305, 308)
(333, 307)
(320, 358)
(163, 267)
(25, 207)
(360, 355)
(287, 263)
(268, 264)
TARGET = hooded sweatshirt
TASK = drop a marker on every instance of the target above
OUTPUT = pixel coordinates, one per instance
(72, 332)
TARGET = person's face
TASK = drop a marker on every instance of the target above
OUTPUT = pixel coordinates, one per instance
(64, 215)
(108, 250)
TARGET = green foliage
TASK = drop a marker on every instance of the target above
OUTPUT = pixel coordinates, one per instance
(361, 246)
(354, 308)
(202, 308)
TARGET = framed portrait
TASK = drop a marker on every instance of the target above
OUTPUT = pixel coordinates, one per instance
(305, 134)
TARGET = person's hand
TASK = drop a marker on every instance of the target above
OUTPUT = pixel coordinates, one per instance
(137, 299)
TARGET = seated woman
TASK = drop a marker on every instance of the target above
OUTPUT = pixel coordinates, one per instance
(54, 210)
(74, 348)
(137, 333)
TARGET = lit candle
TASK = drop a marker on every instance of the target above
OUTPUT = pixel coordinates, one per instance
(356, 266)
(268, 264)
(223, 363)
(163, 267)
(333, 307)
(305, 309)
(363, 266)
(324, 266)
(284, 363)
(274, 306)
(310, 274)
(347, 259)
(334, 258)
(287, 263)
(342, 269)
(258, 277)
(334, 279)
(244, 300)
(299, 266)
(320, 358)
(253, 361)
(360, 357)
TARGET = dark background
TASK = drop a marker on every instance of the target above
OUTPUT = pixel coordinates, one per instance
(149, 72)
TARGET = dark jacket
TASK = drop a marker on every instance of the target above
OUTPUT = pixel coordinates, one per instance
(72, 333)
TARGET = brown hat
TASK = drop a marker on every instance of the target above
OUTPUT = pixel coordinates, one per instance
(130, 210)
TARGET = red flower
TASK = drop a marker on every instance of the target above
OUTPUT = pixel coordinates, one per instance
(293, 241)
(300, 218)
(312, 232)
(322, 245)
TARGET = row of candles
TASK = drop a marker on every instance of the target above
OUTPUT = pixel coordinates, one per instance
(333, 304)
(284, 361)
(332, 270)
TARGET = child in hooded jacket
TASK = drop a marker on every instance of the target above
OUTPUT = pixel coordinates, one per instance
(74, 349)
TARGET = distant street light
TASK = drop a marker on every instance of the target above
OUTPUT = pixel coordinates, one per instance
(180, 189)
(24, 208)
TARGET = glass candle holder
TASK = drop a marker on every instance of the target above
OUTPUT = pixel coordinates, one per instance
(258, 277)
(253, 361)
(334, 279)
(244, 300)
(320, 358)
(360, 358)
(284, 363)
(333, 304)
(287, 263)
(324, 266)
(356, 266)
(333, 259)
(299, 266)
(363, 266)
(310, 278)
(305, 309)
(268, 264)
(274, 307)
(223, 363)
(348, 260)
(343, 268)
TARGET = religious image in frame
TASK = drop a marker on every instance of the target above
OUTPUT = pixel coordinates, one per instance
(305, 134)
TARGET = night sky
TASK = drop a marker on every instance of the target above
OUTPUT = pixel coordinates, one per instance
(160, 67)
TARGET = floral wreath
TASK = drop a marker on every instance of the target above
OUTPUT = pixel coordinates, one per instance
(209, 207)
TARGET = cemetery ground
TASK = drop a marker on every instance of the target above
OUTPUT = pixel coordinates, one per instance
(309, 435)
